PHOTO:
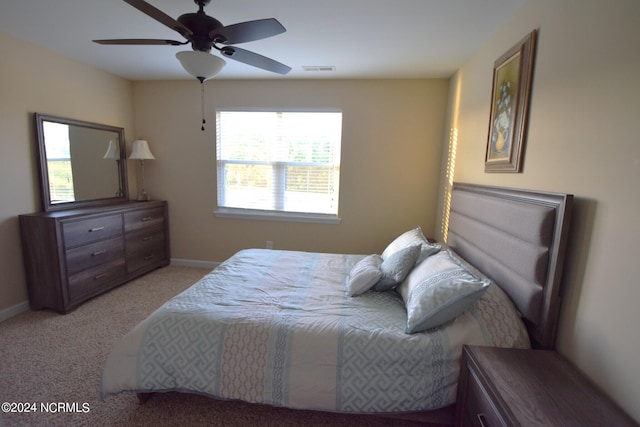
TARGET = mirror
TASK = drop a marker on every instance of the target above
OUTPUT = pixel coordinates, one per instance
(81, 163)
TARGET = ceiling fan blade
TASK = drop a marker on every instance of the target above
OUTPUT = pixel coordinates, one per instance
(254, 59)
(160, 16)
(248, 31)
(141, 42)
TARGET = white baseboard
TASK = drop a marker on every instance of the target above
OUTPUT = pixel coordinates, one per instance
(24, 306)
(194, 263)
(14, 310)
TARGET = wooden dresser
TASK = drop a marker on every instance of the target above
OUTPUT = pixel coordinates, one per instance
(510, 387)
(73, 255)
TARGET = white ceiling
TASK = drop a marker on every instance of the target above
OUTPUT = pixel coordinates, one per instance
(361, 38)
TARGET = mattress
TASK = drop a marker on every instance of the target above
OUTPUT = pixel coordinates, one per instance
(276, 327)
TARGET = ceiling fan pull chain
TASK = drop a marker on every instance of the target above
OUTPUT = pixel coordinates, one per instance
(202, 99)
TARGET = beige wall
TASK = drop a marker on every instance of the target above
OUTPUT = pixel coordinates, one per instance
(35, 80)
(391, 150)
(583, 139)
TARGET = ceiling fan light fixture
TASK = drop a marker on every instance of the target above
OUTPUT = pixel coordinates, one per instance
(201, 65)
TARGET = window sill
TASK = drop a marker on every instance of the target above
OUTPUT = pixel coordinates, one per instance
(277, 216)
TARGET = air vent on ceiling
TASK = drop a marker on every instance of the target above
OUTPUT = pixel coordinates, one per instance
(318, 68)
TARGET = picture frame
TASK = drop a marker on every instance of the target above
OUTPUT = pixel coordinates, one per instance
(510, 94)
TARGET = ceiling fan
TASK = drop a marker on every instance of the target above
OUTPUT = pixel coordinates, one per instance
(205, 33)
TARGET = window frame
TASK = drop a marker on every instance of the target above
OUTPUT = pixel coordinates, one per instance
(279, 179)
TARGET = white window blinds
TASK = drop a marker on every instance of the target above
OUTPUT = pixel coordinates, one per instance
(279, 161)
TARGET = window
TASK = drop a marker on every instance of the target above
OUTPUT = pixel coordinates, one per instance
(278, 163)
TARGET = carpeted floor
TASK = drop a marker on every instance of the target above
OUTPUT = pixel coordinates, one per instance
(48, 358)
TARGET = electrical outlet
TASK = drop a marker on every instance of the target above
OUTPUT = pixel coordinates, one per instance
(269, 244)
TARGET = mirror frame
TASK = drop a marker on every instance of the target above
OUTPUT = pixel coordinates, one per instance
(45, 194)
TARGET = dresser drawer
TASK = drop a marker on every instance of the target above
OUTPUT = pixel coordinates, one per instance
(143, 218)
(93, 254)
(94, 280)
(479, 411)
(73, 255)
(145, 248)
(91, 229)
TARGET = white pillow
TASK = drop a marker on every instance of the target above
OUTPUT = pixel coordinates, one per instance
(438, 290)
(396, 267)
(408, 238)
(364, 275)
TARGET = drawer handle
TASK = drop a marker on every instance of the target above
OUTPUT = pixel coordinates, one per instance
(99, 276)
(147, 218)
(91, 230)
(148, 257)
(146, 239)
(481, 418)
(100, 252)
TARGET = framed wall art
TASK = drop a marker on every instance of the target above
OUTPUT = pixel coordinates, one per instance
(512, 77)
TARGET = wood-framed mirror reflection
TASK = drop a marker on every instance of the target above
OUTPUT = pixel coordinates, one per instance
(80, 163)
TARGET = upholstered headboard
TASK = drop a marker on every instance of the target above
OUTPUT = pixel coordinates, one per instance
(518, 239)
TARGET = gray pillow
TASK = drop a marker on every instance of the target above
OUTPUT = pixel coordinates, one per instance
(364, 275)
(409, 238)
(438, 290)
(396, 267)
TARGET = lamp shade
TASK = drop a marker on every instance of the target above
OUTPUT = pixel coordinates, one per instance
(201, 65)
(113, 151)
(141, 150)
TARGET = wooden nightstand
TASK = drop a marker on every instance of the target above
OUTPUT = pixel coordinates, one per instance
(508, 387)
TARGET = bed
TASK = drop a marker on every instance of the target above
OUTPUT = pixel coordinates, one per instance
(378, 333)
